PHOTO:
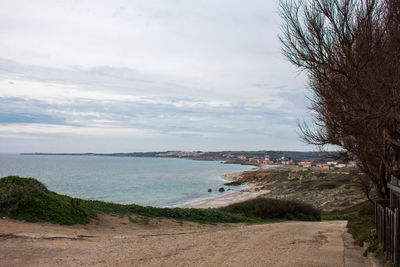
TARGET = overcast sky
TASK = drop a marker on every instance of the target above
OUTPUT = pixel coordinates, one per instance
(121, 76)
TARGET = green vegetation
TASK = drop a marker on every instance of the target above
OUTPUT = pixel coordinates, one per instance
(374, 247)
(139, 220)
(361, 225)
(328, 190)
(195, 215)
(28, 199)
(267, 208)
(361, 222)
(329, 185)
(335, 217)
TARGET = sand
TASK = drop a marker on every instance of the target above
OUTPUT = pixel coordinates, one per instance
(114, 241)
(251, 191)
(237, 196)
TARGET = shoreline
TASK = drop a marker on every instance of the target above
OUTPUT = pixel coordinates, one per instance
(251, 191)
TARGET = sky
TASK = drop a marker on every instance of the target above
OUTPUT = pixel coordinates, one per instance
(123, 76)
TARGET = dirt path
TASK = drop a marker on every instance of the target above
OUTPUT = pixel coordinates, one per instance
(114, 241)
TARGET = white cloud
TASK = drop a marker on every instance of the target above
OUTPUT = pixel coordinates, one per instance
(24, 129)
(210, 70)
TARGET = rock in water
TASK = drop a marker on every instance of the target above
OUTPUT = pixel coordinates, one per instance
(221, 189)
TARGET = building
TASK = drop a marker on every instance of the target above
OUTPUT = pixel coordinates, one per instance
(267, 162)
(332, 163)
(304, 164)
(181, 154)
(351, 164)
(322, 165)
(340, 165)
(255, 161)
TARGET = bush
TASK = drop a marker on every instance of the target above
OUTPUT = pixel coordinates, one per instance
(195, 215)
(329, 185)
(28, 199)
(267, 208)
(361, 223)
(334, 217)
(374, 246)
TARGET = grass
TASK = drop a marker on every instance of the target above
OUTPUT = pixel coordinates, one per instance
(361, 222)
(361, 225)
(329, 185)
(195, 215)
(139, 220)
(334, 217)
(28, 199)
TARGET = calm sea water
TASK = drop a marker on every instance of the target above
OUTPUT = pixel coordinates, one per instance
(144, 181)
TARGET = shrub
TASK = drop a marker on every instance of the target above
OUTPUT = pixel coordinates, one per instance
(268, 208)
(374, 246)
(195, 215)
(28, 199)
(361, 222)
(332, 217)
(329, 185)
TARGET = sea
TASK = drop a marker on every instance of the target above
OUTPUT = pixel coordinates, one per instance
(157, 182)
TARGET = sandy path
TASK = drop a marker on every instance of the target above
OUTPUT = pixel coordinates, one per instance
(114, 241)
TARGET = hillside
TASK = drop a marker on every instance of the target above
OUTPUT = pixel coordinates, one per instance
(28, 199)
(328, 190)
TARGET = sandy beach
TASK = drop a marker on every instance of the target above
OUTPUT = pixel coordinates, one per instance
(217, 202)
(251, 191)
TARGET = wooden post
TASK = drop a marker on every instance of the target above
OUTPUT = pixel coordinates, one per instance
(396, 256)
(391, 213)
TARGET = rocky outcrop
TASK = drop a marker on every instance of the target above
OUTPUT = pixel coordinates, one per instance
(235, 183)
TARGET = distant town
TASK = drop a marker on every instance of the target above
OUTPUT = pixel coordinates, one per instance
(318, 160)
(321, 160)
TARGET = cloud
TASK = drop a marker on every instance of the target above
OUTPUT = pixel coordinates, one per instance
(170, 73)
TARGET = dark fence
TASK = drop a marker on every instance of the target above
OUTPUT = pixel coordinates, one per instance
(388, 230)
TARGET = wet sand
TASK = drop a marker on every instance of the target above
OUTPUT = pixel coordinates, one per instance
(250, 192)
(227, 199)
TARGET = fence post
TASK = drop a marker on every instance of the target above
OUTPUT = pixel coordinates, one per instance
(396, 237)
(391, 235)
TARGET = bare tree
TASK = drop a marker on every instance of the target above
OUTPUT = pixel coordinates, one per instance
(351, 52)
(364, 183)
